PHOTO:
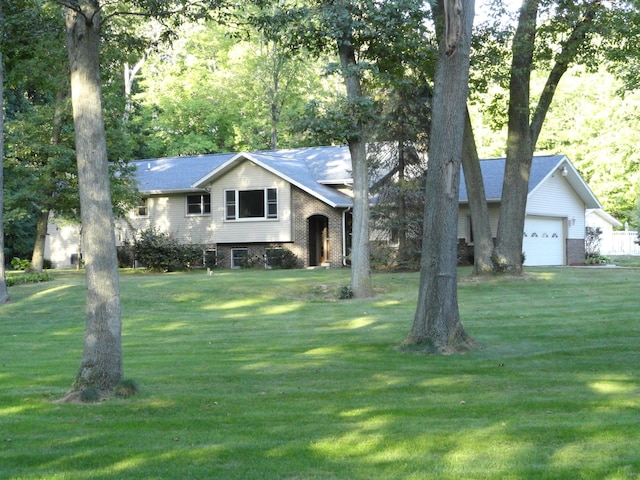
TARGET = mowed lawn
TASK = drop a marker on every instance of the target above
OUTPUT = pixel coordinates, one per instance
(267, 375)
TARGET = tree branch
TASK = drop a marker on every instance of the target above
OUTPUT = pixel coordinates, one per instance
(568, 52)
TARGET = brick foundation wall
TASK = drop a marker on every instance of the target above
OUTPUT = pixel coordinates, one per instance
(304, 206)
(575, 251)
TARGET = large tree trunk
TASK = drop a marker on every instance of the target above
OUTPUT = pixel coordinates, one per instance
(4, 292)
(520, 146)
(403, 253)
(360, 256)
(101, 365)
(524, 129)
(37, 257)
(482, 235)
(437, 327)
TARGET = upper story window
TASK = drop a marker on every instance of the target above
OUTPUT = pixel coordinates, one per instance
(142, 210)
(199, 204)
(251, 204)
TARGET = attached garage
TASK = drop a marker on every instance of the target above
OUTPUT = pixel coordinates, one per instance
(544, 241)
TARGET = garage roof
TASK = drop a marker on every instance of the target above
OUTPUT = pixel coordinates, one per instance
(542, 167)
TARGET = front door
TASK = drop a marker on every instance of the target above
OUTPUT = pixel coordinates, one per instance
(318, 240)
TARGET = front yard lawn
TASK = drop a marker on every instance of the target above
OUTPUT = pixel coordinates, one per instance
(267, 375)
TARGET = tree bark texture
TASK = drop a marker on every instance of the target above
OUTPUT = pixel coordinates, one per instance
(520, 146)
(37, 257)
(101, 365)
(437, 327)
(403, 254)
(4, 292)
(524, 128)
(360, 251)
(482, 235)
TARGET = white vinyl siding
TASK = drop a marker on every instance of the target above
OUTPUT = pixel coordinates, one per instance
(464, 223)
(556, 198)
(63, 243)
(249, 176)
(168, 214)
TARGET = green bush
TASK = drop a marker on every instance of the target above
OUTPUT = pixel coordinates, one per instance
(160, 252)
(20, 264)
(282, 258)
(126, 255)
(27, 278)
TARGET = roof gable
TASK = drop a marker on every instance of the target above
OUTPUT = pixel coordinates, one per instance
(542, 168)
(310, 169)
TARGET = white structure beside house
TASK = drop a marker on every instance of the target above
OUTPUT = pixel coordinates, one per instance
(598, 218)
(558, 198)
(244, 204)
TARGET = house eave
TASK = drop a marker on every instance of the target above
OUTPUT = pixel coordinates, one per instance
(249, 157)
(172, 191)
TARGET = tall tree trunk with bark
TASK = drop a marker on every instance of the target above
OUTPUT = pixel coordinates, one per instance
(482, 235)
(360, 251)
(437, 327)
(403, 253)
(4, 292)
(520, 146)
(37, 256)
(101, 365)
(524, 128)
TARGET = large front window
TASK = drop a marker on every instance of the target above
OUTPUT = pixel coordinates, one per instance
(198, 204)
(251, 204)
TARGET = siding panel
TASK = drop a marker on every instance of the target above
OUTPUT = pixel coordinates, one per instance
(246, 176)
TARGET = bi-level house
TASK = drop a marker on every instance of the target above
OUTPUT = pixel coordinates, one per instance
(239, 205)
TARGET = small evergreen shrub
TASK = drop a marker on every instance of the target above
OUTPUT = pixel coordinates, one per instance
(345, 293)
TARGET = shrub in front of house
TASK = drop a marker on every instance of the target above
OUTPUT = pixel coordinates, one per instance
(592, 241)
(283, 258)
(20, 264)
(159, 251)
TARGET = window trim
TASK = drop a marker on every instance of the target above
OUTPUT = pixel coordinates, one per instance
(143, 205)
(203, 205)
(233, 256)
(232, 205)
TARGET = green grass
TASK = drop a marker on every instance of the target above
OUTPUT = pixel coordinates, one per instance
(266, 375)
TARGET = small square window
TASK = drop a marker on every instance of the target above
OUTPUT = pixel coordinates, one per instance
(198, 204)
(142, 210)
(239, 257)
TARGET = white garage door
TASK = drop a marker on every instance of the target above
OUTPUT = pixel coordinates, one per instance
(543, 242)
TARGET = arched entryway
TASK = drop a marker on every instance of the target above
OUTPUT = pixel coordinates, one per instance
(318, 226)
